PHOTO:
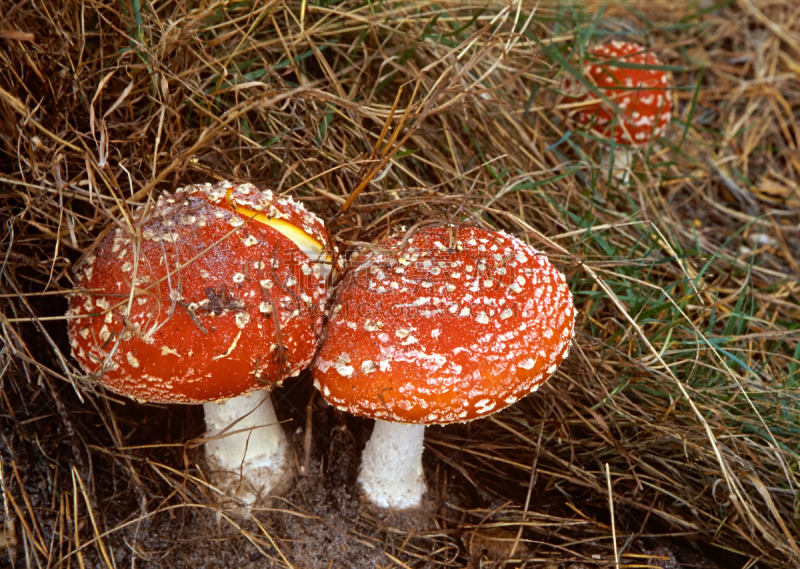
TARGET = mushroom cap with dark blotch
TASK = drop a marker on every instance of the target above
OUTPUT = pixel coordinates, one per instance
(215, 284)
(456, 324)
(643, 96)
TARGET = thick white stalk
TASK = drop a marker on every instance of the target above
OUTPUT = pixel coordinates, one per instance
(622, 159)
(248, 453)
(391, 466)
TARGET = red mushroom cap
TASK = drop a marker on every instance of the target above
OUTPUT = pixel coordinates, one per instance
(455, 324)
(223, 301)
(642, 96)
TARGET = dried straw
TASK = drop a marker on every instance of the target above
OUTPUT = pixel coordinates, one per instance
(680, 402)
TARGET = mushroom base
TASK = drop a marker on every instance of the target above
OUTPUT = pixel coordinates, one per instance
(391, 466)
(248, 454)
(619, 161)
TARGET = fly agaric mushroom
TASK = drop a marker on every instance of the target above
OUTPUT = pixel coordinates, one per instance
(455, 324)
(215, 300)
(630, 101)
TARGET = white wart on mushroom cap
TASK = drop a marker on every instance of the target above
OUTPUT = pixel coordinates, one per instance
(221, 294)
(458, 323)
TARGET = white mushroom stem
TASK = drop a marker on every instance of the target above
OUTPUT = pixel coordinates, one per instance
(248, 451)
(391, 466)
(622, 159)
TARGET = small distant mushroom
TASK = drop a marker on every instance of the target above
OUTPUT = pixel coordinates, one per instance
(630, 102)
(217, 298)
(454, 324)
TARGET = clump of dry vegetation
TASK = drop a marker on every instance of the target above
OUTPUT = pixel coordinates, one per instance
(670, 435)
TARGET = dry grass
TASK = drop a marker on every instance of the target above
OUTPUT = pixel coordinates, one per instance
(677, 415)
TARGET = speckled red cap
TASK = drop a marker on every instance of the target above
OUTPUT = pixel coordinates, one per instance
(229, 284)
(643, 96)
(455, 324)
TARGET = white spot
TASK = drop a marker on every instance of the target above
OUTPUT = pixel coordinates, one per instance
(242, 318)
(344, 369)
(132, 361)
